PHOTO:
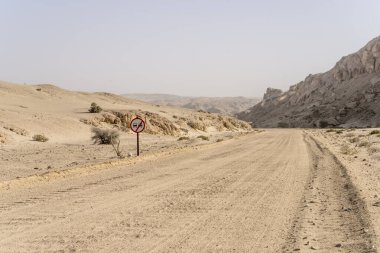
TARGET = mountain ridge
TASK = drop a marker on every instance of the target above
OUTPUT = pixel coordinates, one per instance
(345, 96)
(224, 105)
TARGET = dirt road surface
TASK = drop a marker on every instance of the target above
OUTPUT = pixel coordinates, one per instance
(276, 191)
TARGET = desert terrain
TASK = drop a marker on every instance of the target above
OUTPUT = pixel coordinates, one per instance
(204, 182)
(280, 190)
(224, 105)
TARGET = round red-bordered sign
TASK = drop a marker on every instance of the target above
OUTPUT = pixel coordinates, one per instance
(137, 125)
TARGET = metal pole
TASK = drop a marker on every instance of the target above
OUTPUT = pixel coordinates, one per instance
(138, 144)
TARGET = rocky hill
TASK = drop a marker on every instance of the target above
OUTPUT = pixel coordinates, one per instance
(223, 105)
(348, 95)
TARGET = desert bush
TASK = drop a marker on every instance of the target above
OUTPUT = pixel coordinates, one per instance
(105, 136)
(330, 130)
(219, 140)
(364, 144)
(345, 149)
(339, 131)
(95, 108)
(183, 138)
(175, 117)
(40, 138)
(355, 139)
(108, 136)
(373, 150)
(205, 138)
(374, 132)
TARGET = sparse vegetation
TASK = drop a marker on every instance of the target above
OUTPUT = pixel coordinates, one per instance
(108, 136)
(105, 136)
(95, 108)
(347, 150)
(374, 132)
(40, 138)
(373, 150)
(183, 138)
(205, 138)
(364, 144)
(355, 139)
(219, 140)
(330, 130)
(350, 135)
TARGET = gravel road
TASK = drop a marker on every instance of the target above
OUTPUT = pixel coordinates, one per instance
(275, 191)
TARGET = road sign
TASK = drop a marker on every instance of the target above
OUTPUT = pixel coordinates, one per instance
(137, 125)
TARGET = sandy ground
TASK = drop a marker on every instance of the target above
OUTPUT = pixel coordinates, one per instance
(34, 158)
(359, 152)
(275, 191)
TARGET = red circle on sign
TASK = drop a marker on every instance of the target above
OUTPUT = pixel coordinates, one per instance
(137, 125)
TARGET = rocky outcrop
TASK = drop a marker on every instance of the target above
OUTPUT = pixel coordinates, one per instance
(348, 95)
(272, 93)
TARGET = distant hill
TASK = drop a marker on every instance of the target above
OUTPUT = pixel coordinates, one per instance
(224, 105)
(348, 95)
(63, 115)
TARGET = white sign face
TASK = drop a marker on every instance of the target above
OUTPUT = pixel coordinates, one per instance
(137, 125)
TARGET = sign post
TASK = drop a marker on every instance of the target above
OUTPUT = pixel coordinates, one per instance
(137, 125)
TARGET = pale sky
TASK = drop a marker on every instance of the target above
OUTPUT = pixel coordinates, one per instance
(182, 47)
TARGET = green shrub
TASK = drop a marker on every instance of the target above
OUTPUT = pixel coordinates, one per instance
(105, 136)
(40, 138)
(183, 138)
(374, 132)
(205, 138)
(95, 108)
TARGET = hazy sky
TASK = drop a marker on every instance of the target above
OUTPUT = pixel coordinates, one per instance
(184, 47)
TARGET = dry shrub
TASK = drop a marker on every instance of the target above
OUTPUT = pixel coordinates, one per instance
(183, 138)
(40, 138)
(105, 136)
(108, 136)
(364, 144)
(205, 138)
(373, 150)
(219, 140)
(16, 130)
(347, 150)
(3, 138)
(355, 139)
